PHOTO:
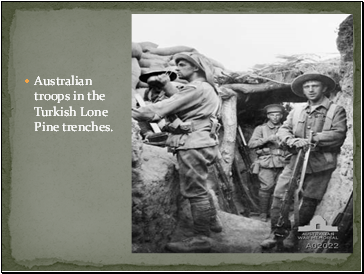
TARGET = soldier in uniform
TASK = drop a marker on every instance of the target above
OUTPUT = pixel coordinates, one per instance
(327, 121)
(270, 156)
(193, 139)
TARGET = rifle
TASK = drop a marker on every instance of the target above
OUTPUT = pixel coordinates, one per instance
(283, 221)
(302, 178)
(226, 187)
(244, 189)
(294, 186)
(242, 146)
(249, 187)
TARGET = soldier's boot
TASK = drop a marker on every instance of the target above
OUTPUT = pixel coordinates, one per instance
(215, 222)
(201, 216)
(198, 244)
(269, 242)
(200, 210)
(272, 239)
(291, 242)
(264, 199)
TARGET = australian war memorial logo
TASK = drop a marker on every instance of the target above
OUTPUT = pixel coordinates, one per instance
(318, 235)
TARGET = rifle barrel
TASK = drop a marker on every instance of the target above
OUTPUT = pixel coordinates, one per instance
(226, 182)
(305, 162)
(242, 136)
(244, 188)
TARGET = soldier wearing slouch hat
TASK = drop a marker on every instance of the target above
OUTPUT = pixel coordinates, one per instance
(326, 122)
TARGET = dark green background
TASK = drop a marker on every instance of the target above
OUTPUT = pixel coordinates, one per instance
(285, 263)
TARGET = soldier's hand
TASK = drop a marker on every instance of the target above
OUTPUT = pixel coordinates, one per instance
(301, 143)
(290, 142)
(154, 81)
(162, 78)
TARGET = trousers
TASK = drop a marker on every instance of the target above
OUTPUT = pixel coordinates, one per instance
(193, 173)
(268, 178)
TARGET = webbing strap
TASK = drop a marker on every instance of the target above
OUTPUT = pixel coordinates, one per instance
(329, 117)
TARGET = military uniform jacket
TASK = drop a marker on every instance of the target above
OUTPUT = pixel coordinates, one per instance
(196, 103)
(269, 153)
(328, 142)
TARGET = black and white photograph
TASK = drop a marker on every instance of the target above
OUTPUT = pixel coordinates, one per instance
(242, 133)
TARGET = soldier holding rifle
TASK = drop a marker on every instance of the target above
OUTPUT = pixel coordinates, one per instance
(193, 139)
(326, 122)
(271, 157)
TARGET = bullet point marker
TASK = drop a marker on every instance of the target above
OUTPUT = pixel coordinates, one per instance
(26, 81)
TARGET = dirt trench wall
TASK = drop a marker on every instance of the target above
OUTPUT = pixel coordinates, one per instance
(341, 185)
(154, 195)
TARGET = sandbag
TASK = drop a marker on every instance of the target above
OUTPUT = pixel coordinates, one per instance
(147, 63)
(136, 51)
(146, 45)
(144, 70)
(148, 55)
(135, 72)
(170, 50)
